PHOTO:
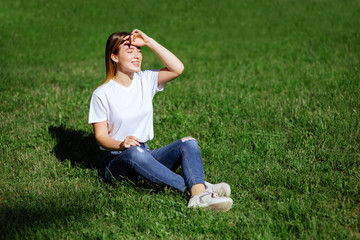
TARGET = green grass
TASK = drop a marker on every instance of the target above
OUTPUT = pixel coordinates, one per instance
(271, 91)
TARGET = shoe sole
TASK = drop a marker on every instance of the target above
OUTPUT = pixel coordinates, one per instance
(222, 207)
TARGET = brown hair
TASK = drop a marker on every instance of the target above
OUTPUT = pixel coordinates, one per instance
(112, 46)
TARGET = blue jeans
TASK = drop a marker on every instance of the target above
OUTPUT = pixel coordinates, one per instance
(158, 165)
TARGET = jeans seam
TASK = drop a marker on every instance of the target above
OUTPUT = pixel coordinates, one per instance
(147, 172)
(167, 153)
(187, 165)
(186, 161)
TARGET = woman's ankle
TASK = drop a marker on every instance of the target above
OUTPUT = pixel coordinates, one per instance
(197, 189)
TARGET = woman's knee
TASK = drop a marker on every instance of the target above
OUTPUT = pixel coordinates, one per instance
(189, 142)
(189, 138)
(136, 154)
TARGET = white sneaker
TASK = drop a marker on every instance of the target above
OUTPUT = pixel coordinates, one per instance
(222, 189)
(210, 200)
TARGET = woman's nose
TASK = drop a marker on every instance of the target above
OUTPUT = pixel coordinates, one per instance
(137, 55)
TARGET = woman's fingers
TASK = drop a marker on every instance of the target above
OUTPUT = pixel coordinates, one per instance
(126, 40)
(136, 32)
(131, 141)
(134, 138)
(138, 38)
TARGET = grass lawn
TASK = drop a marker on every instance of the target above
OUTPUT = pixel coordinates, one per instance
(271, 90)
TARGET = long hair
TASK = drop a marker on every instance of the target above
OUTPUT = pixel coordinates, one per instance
(112, 46)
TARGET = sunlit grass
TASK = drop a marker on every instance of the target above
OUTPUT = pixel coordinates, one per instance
(270, 90)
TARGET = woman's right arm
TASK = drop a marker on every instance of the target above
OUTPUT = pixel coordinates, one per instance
(103, 139)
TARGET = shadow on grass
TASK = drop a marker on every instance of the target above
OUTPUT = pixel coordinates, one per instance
(77, 146)
(34, 215)
(82, 150)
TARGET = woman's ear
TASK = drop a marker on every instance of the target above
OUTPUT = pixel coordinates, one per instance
(114, 58)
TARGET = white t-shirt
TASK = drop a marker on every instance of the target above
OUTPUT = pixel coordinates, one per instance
(129, 111)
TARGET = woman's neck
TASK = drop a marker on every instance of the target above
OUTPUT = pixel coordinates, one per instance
(123, 78)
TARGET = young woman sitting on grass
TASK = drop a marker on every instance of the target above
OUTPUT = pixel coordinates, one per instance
(121, 112)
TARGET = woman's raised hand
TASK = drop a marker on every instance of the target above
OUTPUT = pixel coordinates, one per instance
(138, 38)
(174, 66)
(128, 142)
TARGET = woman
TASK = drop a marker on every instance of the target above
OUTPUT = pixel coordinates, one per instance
(121, 112)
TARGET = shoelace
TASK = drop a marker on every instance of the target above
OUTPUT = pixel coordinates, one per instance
(214, 194)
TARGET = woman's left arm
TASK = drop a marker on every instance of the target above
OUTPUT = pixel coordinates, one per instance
(174, 67)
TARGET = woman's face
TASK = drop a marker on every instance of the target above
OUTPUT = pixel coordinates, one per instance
(129, 58)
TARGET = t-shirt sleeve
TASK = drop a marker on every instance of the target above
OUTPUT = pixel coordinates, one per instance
(161, 87)
(98, 111)
(153, 76)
